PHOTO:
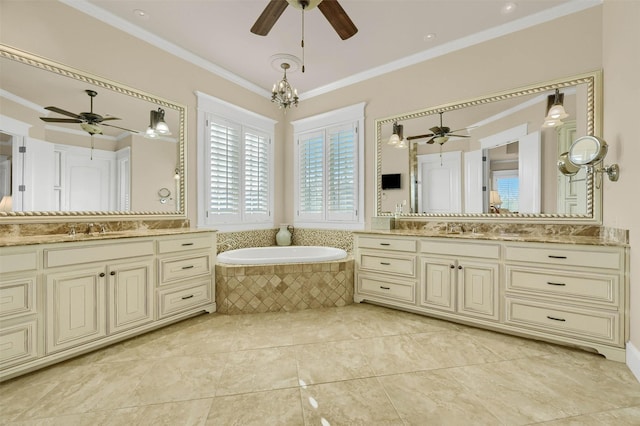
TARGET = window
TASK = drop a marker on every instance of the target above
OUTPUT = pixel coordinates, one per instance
(328, 177)
(236, 161)
(507, 183)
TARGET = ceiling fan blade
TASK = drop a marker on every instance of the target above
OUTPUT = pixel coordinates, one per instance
(60, 120)
(430, 141)
(459, 136)
(109, 118)
(61, 111)
(269, 16)
(428, 135)
(117, 127)
(436, 130)
(338, 18)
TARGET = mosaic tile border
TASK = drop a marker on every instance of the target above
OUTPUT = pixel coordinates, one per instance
(300, 237)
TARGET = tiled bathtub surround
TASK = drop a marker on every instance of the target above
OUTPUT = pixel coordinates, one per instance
(242, 289)
(300, 237)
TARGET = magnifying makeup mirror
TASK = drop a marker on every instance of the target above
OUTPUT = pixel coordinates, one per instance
(587, 151)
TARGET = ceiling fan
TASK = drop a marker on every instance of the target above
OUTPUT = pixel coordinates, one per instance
(439, 134)
(331, 10)
(89, 121)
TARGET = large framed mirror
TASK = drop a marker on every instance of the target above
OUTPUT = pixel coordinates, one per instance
(76, 145)
(494, 157)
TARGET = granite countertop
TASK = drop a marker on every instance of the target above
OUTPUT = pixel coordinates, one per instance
(9, 240)
(498, 236)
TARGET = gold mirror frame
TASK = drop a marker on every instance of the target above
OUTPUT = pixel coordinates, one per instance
(44, 64)
(593, 81)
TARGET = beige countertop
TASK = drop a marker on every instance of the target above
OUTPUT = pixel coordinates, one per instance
(24, 240)
(507, 237)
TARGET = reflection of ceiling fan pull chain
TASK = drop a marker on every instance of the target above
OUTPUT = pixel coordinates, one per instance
(302, 42)
(91, 155)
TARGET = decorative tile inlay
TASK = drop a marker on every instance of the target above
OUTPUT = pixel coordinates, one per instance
(300, 237)
(291, 287)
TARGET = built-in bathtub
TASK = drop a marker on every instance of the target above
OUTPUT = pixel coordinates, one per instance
(289, 278)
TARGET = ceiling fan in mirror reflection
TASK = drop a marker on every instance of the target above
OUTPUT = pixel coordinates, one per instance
(440, 134)
(90, 122)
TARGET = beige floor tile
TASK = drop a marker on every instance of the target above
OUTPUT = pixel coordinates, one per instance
(180, 379)
(258, 370)
(352, 402)
(394, 354)
(453, 349)
(331, 361)
(620, 417)
(277, 407)
(510, 347)
(433, 398)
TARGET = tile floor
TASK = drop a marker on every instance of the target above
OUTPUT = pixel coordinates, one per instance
(354, 365)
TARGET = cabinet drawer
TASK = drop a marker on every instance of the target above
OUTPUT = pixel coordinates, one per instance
(398, 290)
(184, 244)
(456, 248)
(17, 297)
(387, 243)
(179, 268)
(18, 343)
(563, 255)
(101, 253)
(576, 287)
(17, 262)
(586, 324)
(389, 264)
(179, 299)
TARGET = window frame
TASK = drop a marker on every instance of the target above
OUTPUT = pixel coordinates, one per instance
(351, 115)
(210, 107)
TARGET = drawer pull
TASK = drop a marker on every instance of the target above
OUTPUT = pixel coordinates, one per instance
(187, 267)
(452, 266)
(557, 257)
(385, 263)
(186, 244)
(385, 288)
(191, 295)
(385, 244)
(559, 284)
(556, 319)
(102, 274)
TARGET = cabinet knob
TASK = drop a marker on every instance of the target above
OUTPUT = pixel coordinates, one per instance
(102, 274)
(112, 273)
(459, 266)
(452, 266)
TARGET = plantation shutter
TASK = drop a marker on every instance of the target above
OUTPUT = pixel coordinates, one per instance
(224, 164)
(341, 172)
(311, 175)
(256, 174)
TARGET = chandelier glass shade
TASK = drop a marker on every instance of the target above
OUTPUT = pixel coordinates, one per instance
(282, 93)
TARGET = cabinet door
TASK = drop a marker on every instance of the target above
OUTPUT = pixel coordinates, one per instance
(75, 308)
(437, 284)
(478, 289)
(131, 295)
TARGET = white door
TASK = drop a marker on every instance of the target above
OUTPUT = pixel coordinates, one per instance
(529, 173)
(440, 183)
(473, 178)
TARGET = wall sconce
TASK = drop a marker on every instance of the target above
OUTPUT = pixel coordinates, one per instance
(588, 151)
(555, 110)
(176, 175)
(396, 137)
(157, 125)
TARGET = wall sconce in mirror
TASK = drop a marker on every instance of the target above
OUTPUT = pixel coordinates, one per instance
(555, 110)
(397, 139)
(157, 125)
(587, 151)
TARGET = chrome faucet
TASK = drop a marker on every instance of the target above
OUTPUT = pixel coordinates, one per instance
(72, 230)
(90, 229)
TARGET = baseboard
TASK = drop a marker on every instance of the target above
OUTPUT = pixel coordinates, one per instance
(633, 360)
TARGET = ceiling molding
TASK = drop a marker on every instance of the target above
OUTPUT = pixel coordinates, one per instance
(565, 9)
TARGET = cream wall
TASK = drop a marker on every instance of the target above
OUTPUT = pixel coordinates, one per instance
(600, 37)
(621, 64)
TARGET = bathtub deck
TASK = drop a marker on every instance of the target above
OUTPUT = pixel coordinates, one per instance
(242, 289)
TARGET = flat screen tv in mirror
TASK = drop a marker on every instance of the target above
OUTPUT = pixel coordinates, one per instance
(458, 153)
(391, 181)
(73, 144)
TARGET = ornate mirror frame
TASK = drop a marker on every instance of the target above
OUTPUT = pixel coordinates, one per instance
(11, 53)
(593, 82)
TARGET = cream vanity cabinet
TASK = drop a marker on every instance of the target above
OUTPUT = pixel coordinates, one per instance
(573, 294)
(60, 300)
(96, 290)
(386, 269)
(460, 277)
(20, 313)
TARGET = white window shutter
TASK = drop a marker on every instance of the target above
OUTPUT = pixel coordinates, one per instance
(257, 175)
(224, 165)
(311, 176)
(342, 188)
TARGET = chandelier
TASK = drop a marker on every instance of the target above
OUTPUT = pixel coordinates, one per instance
(283, 93)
